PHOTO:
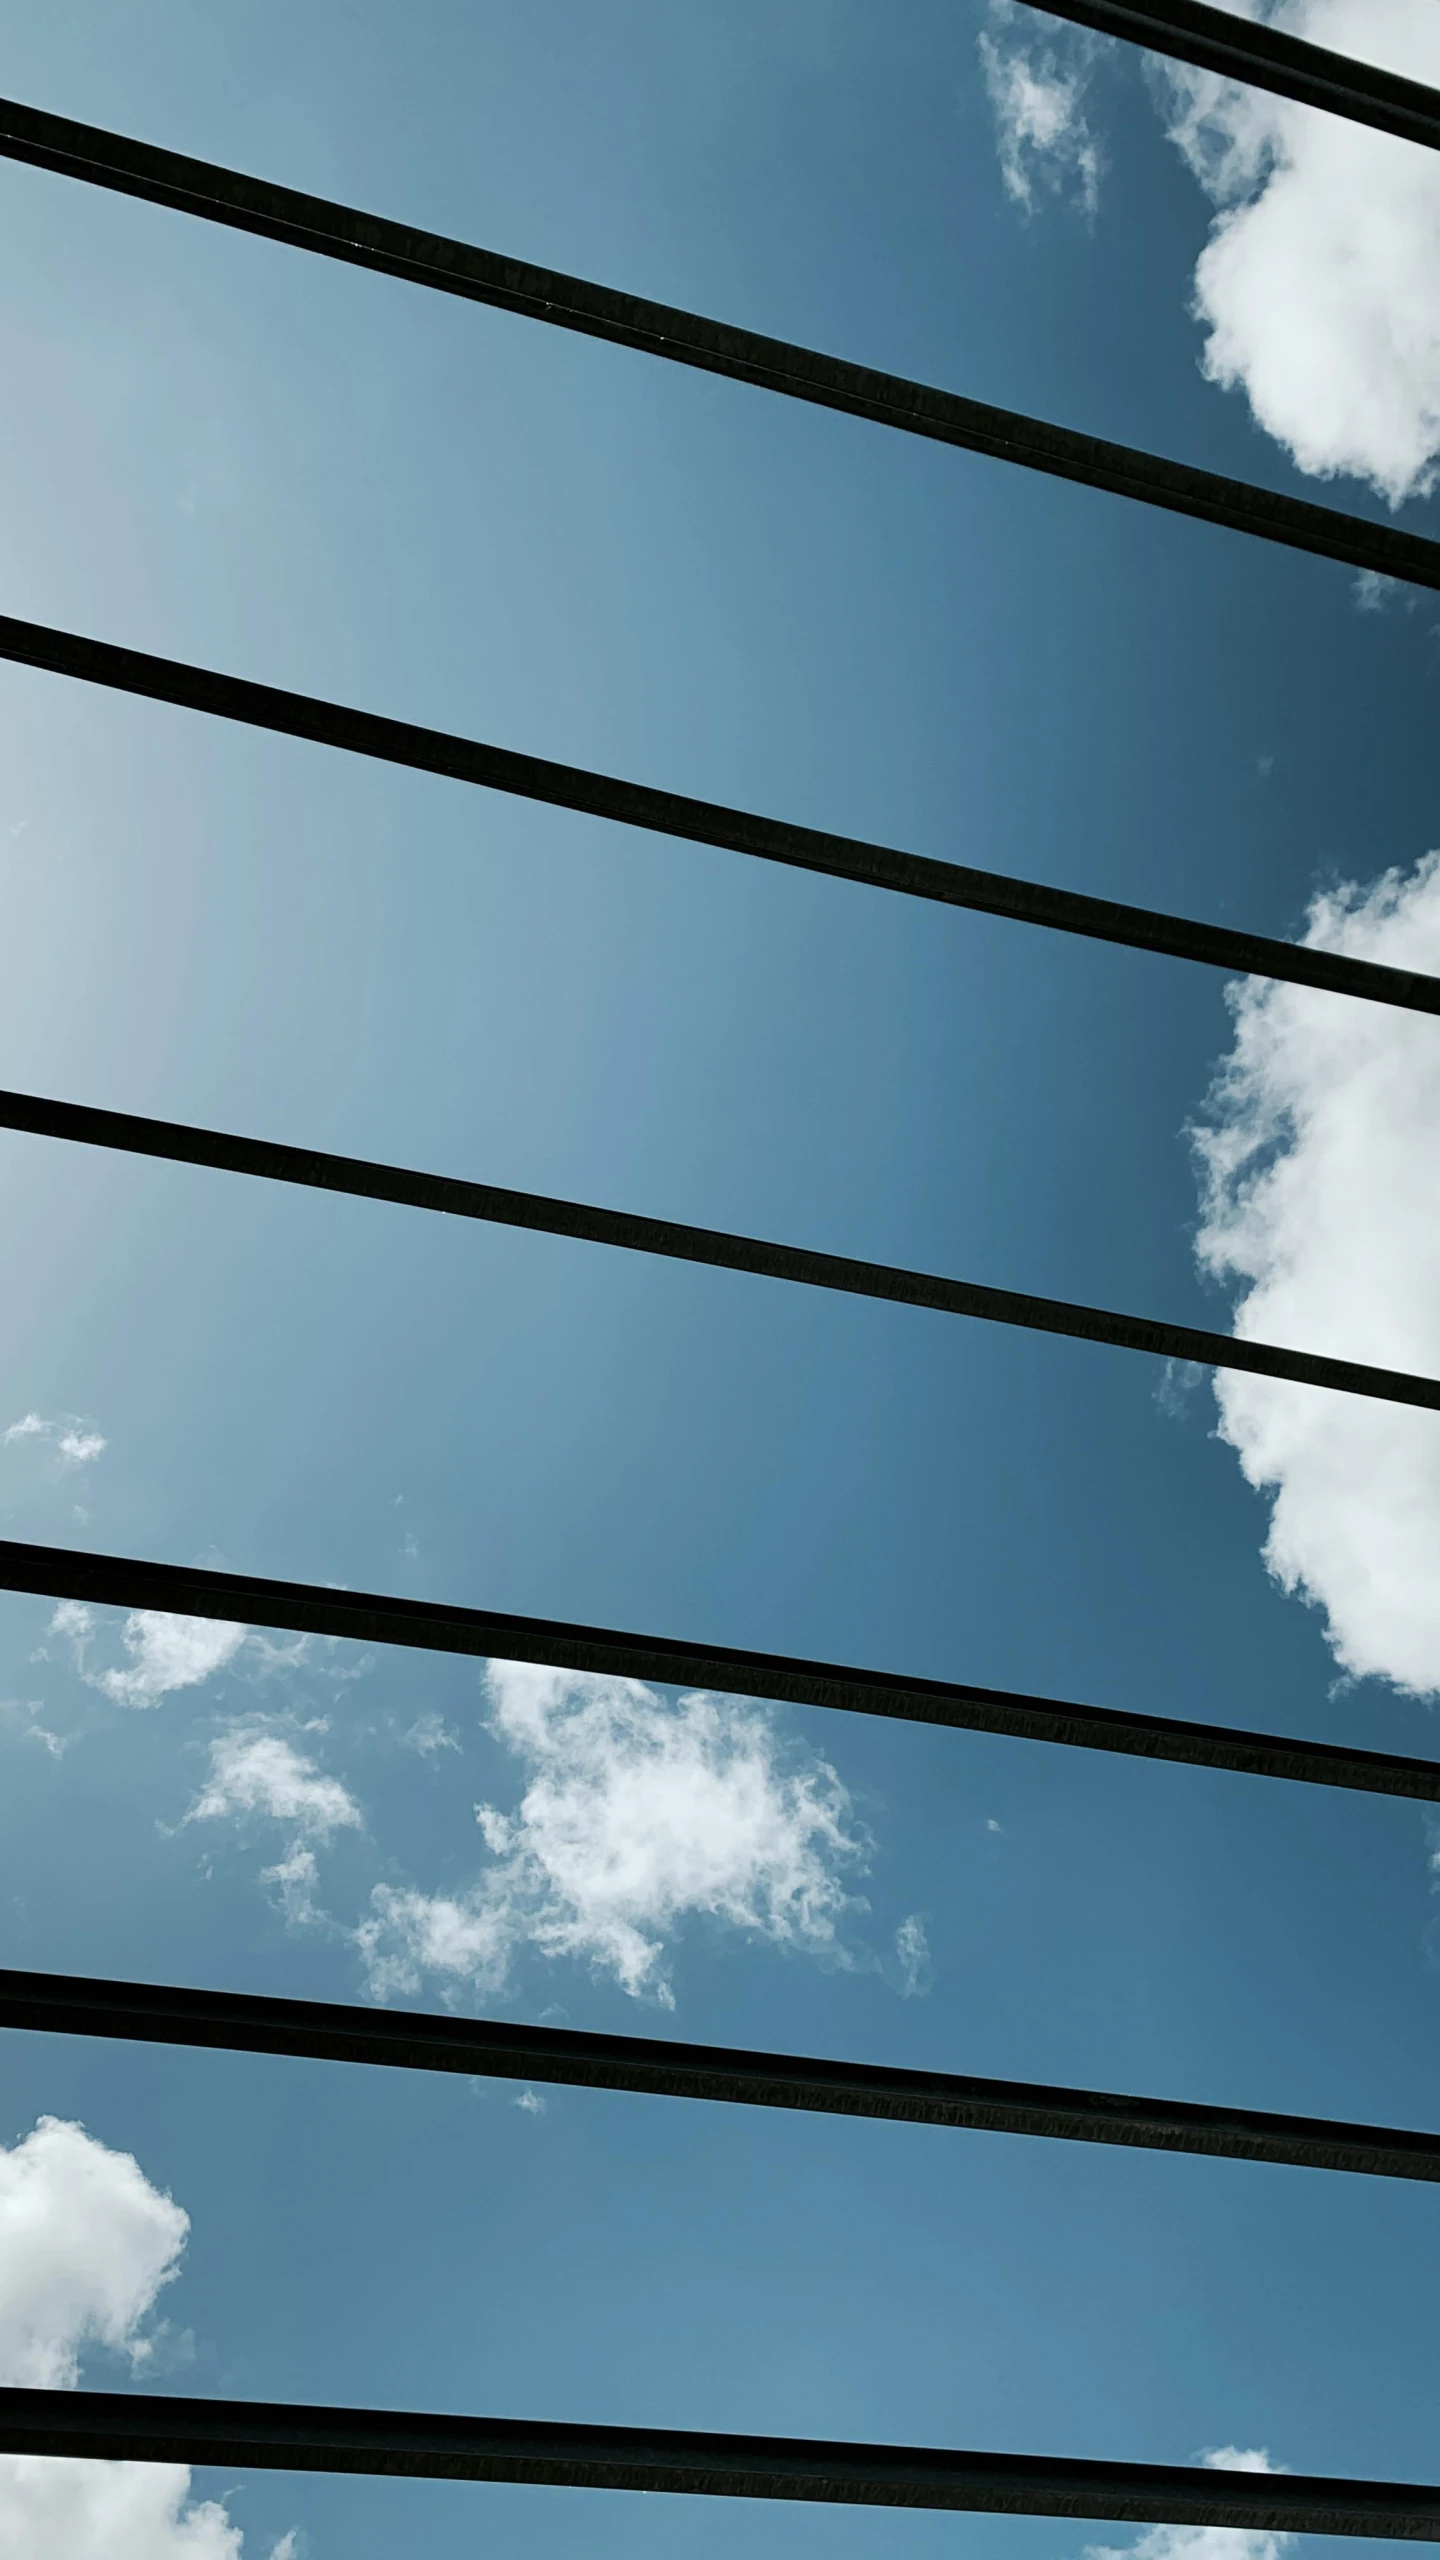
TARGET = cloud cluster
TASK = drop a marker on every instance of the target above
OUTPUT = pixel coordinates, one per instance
(1036, 78)
(637, 1815)
(1319, 1155)
(86, 2245)
(257, 1772)
(1317, 284)
(1207, 2541)
(71, 1441)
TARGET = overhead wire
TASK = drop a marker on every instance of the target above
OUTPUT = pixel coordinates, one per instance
(428, 1626)
(635, 804)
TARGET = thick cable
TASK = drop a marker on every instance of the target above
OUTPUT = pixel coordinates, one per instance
(309, 222)
(708, 822)
(133, 2426)
(314, 1168)
(1265, 58)
(508, 2049)
(428, 1626)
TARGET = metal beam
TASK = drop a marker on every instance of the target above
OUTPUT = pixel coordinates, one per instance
(1264, 58)
(266, 1159)
(707, 822)
(331, 230)
(126, 2426)
(483, 2048)
(428, 1626)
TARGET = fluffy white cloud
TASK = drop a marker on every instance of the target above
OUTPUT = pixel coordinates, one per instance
(254, 1770)
(912, 1948)
(1036, 78)
(637, 1815)
(86, 2244)
(1317, 286)
(71, 1441)
(1320, 1163)
(1207, 2541)
(165, 1652)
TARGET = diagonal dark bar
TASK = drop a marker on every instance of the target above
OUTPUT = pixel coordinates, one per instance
(309, 222)
(265, 1159)
(1265, 58)
(367, 1617)
(122, 2426)
(329, 2031)
(672, 813)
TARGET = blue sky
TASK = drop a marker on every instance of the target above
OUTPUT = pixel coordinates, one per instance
(220, 450)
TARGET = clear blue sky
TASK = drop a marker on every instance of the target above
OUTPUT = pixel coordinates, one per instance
(215, 448)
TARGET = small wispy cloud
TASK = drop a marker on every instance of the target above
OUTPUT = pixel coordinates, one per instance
(255, 1770)
(71, 1441)
(1037, 86)
(430, 1734)
(638, 1816)
(912, 1949)
(166, 1653)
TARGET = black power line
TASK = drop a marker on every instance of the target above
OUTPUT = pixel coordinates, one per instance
(328, 2031)
(428, 1626)
(131, 2426)
(709, 822)
(1265, 58)
(538, 293)
(266, 1159)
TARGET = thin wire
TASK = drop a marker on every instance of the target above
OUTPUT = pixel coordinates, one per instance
(427, 1626)
(328, 2031)
(265, 1159)
(131, 2426)
(708, 822)
(1265, 58)
(243, 203)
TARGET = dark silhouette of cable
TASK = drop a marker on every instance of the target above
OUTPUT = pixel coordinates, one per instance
(367, 1617)
(303, 221)
(636, 804)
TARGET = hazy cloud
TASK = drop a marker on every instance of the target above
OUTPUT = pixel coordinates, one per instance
(165, 1652)
(1319, 1156)
(1036, 77)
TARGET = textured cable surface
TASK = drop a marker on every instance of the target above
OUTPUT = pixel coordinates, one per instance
(125, 1582)
(120, 2426)
(507, 2049)
(1266, 58)
(331, 230)
(266, 1159)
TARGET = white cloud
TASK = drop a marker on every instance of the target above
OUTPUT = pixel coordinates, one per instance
(1207, 2541)
(86, 2245)
(165, 1652)
(637, 1816)
(1320, 1165)
(912, 1947)
(430, 1734)
(72, 1441)
(1037, 87)
(254, 1770)
(1317, 286)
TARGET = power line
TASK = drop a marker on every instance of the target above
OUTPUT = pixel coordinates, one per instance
(1265, 58)
(131, 2426)
(708, 822)
(329, 2031)
(266, 1159)
(244, 203)
(428, 1626)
